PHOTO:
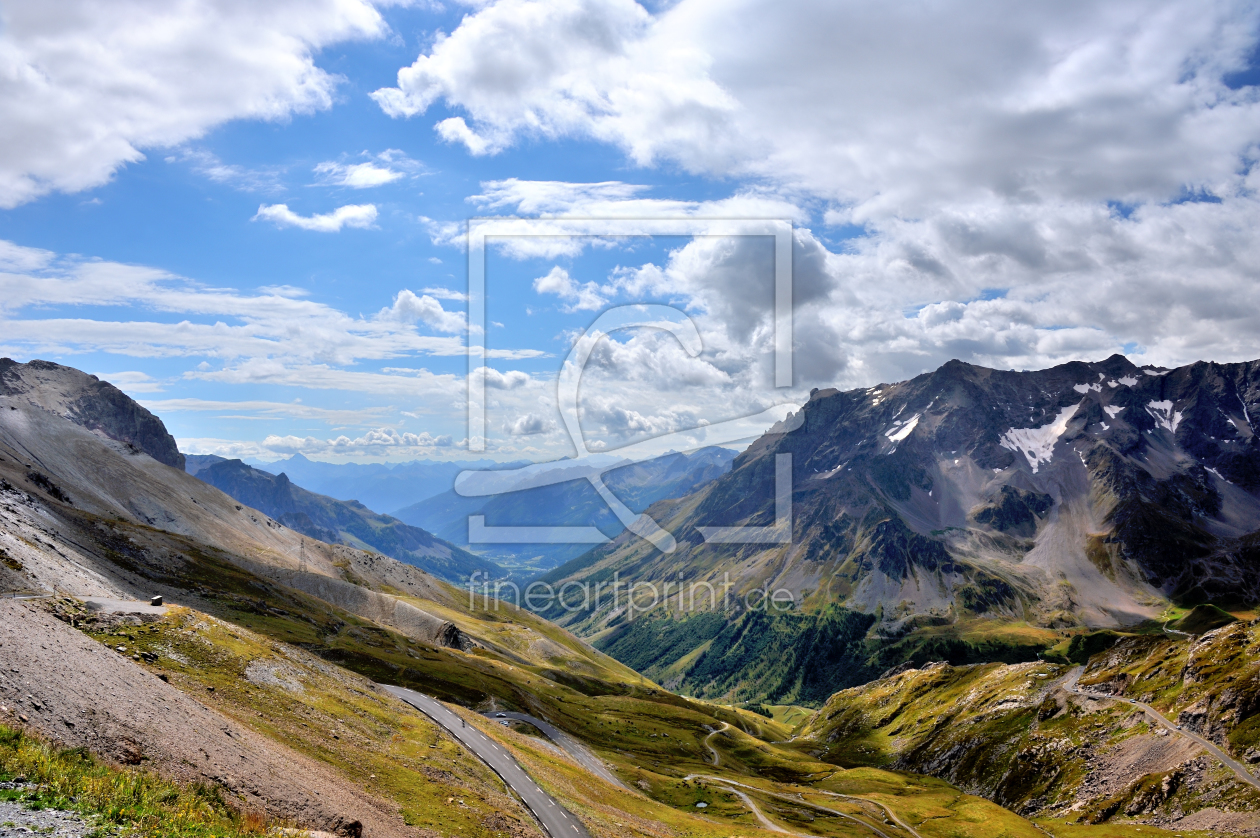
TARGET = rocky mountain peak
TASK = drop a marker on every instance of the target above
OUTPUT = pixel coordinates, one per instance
(1089, 494)
(87, 401)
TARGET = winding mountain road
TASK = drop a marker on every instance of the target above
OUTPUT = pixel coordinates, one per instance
(892, 816)
(1070, 684)
(581, 754)
(557, 821)
(735, 787)
(716, 758)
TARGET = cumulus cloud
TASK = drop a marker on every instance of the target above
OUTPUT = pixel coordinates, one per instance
(510, 380)
(408, 308)
(584, 297)
(378, 443)
(89, 87)
(373, 441)
(882, 108)
(528, 425)
(1015, 187)
(351, 215)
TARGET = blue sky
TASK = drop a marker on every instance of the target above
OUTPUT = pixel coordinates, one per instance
(251, 218)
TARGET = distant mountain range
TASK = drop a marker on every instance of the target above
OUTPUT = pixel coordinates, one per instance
(341, 522)
(381, 487)
(966, 514)
(572, 503)
(288, 498)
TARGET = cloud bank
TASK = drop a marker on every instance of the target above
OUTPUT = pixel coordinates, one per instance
(89, 86)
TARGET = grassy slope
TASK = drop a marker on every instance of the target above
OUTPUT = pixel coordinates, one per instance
(1004, 730)
(329, 714)
(652, 738)
(110, 797)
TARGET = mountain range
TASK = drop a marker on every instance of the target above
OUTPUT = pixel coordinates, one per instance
(967, 514)
(570, 503)
(342, 522)
(254, 701)
(381, 487)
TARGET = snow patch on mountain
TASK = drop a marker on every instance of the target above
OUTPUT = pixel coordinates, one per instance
(1037, 444)
(1085, 388)
(1165, 416)
(1128, 381)
(898, 434)
(1112, 410)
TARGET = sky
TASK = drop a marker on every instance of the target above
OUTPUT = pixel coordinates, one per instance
(252, 217)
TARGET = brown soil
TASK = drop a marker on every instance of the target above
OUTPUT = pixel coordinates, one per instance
(79, 693)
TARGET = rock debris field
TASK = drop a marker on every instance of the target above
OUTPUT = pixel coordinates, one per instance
(16, 819)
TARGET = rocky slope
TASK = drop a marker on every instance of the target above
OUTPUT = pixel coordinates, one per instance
(87, 401)
(1087, 494)
(343, 522)
(1015, 735)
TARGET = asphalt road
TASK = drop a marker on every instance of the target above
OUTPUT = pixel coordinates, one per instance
(557, 821)
(580, 753)
(1232, 764)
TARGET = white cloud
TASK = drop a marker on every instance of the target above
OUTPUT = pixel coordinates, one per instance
(884, 109)
(445, 293)
(528, 425)
(88, 86)
(132, 381)
(374, 170)
(265, 409)
(378, 444)
(408, 308)
(455, 130)
(585, 297)
(373, 441)
(351, 215)
(272, 334)
(357, 175)
(544, 197)
(14, 257)
(258, 179)
(504, 380)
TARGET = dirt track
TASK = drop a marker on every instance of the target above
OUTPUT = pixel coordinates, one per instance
(80, 693)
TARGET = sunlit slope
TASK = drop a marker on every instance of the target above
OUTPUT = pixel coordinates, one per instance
(1015, 735)
(967, 514)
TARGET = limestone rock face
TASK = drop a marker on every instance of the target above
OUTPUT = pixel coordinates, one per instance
(94, 404)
